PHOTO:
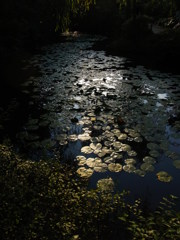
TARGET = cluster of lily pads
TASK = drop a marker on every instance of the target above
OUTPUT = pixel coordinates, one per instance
(110, 150)
(81, 95)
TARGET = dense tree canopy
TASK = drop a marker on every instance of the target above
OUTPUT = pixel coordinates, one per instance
(157, 9)
(28, 21)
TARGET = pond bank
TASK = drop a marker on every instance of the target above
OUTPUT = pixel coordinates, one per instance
(158, 51)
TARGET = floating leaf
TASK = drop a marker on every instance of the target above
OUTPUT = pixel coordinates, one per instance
(177, 164)
(100, 167)
(125, 147)
(133, 134)
(72, 138)
(79, 158)
(107, 143)
(84, 172)
(84, 137)
(96, 147)
(117, 145)
(90, 162)
(147, 167)
(140, 172)
(132, 153)
(130, 161)
(152, 146)
(108, 160)
(86, 150)
(115, 167)
(116, 156)
(149, 160)
(93, 119)
(164, 177)
(122, 136)
(129, 168)
(154, 153)
(82, 162)
(138, 139)
(102, 153)
(116, 132)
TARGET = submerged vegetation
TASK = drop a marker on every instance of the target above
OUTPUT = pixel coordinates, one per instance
(46, 200)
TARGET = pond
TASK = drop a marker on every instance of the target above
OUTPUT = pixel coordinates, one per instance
(105, 115)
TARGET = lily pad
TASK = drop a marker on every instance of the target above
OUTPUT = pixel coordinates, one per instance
(129, 168)
(63, 142)
(84, 137)
(117, 145)
(72, 138)
(101, 167)
(152, 146)
(97, 146)
(105, 185)
(95, 139)
(173, 156)
(147, 167)
(84, 172)
(177, 164)
(101, 153)
(86, 150)
(164, 176)
(138, 139)
(116, 156)
(140, 172)
(81, 162)
(107, 143)
(122, 136)
(90, 162)
(107, 150)
(130, 161)
(132, 153)
(133, 134)
(79, 158)
(154, 153)
(115, 167)
(125, 147)
(108, 160)
(149, 160)
(116, 132)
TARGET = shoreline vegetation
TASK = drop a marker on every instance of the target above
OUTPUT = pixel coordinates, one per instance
(46, 200)
(146, 31)
(147, 44)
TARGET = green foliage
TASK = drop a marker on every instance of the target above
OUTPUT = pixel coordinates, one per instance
(45, 200)
(161, 224)
(153, 8)
(137, 28)
(28, 22)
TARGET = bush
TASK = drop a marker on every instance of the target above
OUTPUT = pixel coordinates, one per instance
(46, 200)
(137, 28)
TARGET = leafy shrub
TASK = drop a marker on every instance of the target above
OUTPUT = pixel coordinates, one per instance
(136, 28)
(46, 200)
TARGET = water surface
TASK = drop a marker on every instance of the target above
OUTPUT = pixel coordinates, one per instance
(126, 115)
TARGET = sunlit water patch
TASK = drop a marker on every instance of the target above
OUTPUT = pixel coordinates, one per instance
(109, 119)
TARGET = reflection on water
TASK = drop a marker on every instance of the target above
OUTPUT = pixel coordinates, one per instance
(125, 116)
(162, 96)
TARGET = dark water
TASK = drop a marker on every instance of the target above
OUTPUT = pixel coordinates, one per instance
(126, 115)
